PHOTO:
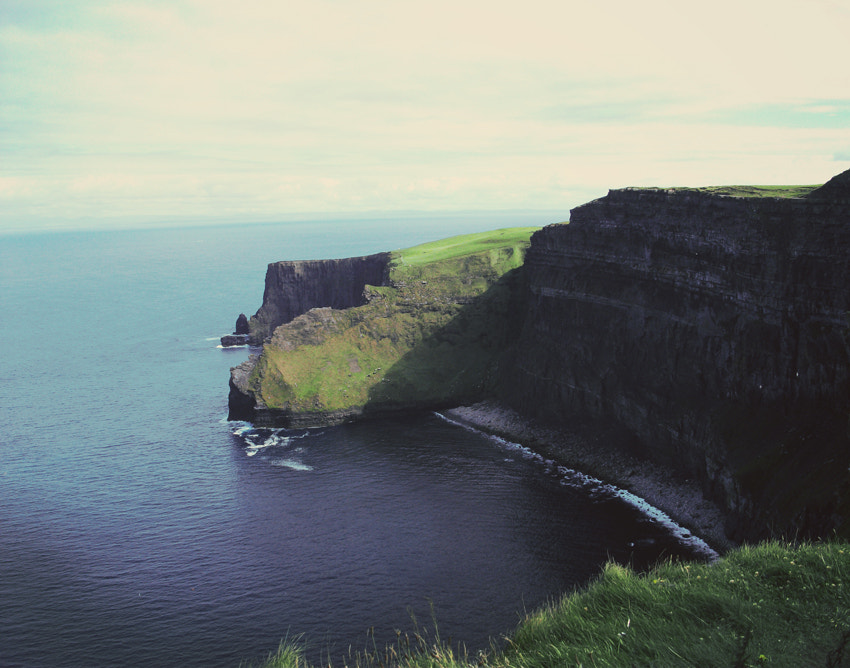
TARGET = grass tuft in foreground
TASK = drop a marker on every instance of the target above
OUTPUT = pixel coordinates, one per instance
(773, 604)
(289, 654)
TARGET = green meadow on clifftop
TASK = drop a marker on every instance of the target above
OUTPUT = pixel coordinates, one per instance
(771, 605)
(433, 336)
(747, 191)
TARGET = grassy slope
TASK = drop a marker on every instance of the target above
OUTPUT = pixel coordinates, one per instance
(433, 335)
(769, 605)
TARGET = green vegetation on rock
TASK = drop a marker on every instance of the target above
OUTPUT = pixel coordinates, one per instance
(434, 336)
(759, 191)
(747, 191)
(773, 604)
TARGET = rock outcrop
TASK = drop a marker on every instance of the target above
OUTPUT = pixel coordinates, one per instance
(242, 325)
(716, 330)
(240, 336)
(432, 335)
(293, 288)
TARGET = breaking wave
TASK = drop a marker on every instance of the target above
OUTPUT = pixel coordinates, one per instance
(596, 489)
(291, 464)
(272, 443)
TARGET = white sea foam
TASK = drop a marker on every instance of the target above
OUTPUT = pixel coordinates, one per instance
(255, 446)
(600, 490)
(257, 439)
(291, 464)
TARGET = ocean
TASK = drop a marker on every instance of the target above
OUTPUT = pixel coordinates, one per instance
(138, 527)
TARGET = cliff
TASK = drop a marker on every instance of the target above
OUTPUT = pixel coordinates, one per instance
(707, 332)
(716, 331)
(293, 288)
(430, 331)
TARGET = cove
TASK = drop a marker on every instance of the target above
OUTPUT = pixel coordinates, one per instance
(380, 521)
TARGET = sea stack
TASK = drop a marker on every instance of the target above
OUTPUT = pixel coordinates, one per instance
(240, 334)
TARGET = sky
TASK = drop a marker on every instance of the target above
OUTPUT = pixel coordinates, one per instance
(117, 113)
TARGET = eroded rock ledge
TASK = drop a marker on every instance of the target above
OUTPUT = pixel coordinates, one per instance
(295, 287)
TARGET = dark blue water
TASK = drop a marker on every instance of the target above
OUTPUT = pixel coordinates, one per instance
(139, 527)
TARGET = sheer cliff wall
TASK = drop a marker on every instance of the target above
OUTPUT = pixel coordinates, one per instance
(716, 330)
(295, 287)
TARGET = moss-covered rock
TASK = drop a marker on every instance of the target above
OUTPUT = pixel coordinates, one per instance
(434, 334)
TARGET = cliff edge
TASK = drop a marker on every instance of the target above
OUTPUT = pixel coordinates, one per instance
(295, 287)
(716, 331)
(707, 332)
(431, 331)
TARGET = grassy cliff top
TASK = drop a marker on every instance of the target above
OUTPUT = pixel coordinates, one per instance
(466, 244)
(745, 191)
(433, 336)
(759, 191)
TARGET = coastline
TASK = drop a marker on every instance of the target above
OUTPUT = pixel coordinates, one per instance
(680, 499)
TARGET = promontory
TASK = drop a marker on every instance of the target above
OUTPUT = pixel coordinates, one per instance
(707, 330)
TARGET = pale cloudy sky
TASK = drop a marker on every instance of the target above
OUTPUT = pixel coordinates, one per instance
(137, 112)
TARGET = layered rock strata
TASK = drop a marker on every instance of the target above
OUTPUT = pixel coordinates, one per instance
(293, 288)
(716, 331)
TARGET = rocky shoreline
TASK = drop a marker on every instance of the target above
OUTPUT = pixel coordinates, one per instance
(602, 455)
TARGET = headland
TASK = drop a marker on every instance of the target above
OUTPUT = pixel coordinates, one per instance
(689, 339)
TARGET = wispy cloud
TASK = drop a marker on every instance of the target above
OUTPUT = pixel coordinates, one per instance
(263, 110)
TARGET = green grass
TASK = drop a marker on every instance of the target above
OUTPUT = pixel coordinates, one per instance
(433, 336)
(773, 604)
(466, 244)
(766, 605)
(289, 654)
(750, 191)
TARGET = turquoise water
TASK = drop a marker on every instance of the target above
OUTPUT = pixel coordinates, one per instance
(139, 527)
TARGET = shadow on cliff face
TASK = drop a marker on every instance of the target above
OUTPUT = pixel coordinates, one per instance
(717, 331)
(791, 459)
(461, 362)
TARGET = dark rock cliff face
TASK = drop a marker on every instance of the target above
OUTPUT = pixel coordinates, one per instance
(293, 288)
(716, 330)
(241, 334)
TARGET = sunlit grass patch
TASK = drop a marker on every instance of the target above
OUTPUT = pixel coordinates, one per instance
(466, 244)
(433, 336)
(749, 191)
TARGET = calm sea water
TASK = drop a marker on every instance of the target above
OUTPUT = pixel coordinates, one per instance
(139, 528)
